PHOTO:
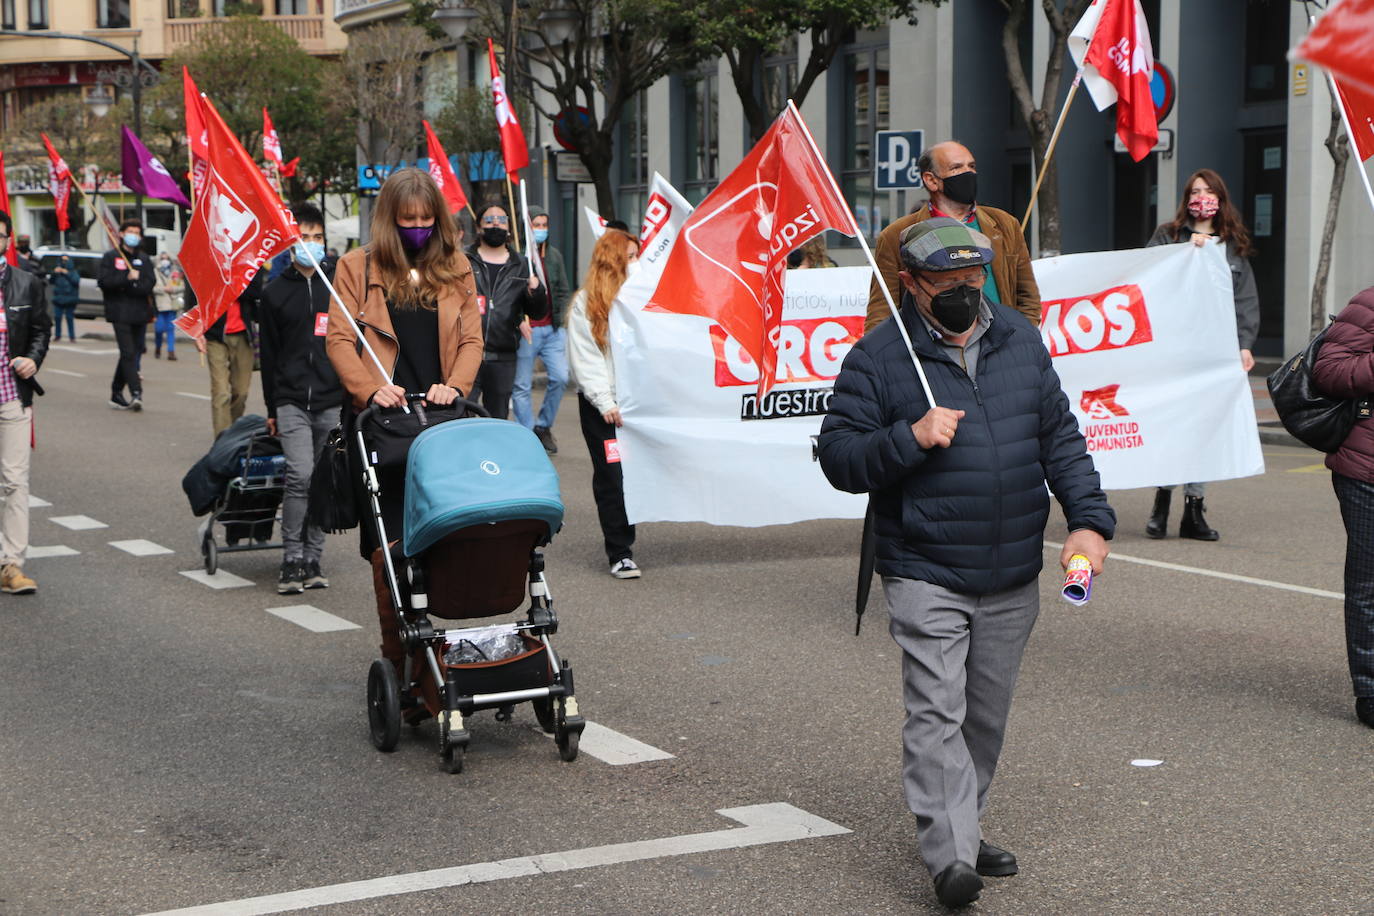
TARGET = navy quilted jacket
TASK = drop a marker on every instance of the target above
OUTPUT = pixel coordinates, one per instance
(971, 517)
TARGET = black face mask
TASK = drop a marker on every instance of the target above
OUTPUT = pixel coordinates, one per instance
(956, 309)
(493, 237)
(961, 188)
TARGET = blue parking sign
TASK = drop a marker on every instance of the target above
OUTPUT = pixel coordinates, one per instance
(895, 166)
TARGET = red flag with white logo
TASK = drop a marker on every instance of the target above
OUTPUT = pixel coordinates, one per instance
(1342, 41)
(442, 172)
(1359, 108)
(238, 224)
(271, 143)
(10, 254)
(197, 140)
(1111, 45)
(60, 183)
(514, 152)
(729, 260)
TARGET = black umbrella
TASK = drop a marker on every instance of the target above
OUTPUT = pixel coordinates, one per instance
(868, 555)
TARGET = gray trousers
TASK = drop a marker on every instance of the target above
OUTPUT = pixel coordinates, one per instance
(1189, 489)
(302, 434)
(960, 658)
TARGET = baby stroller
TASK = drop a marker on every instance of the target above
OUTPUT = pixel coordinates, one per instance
(481, 499)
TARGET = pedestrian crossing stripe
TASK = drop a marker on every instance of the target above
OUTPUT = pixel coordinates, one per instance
(312, 618)
(77, 522)
(141, 548)
(57, 550)
(219, 580)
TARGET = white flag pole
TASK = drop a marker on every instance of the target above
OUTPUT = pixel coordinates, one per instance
(877, 274)
(386, 376)
(531, 247)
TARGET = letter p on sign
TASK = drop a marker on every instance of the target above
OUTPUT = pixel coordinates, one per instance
(895, 167)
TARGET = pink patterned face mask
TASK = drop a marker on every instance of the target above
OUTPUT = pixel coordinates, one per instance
(1203, 207)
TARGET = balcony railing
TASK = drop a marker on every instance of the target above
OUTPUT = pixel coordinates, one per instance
(308, 31)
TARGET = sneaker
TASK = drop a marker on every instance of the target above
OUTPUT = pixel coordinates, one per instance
(546, 439)
(625, 569)
(136, 403)
(14, 582)
(171, 357)
(313, 577)
(117, 401)
(290, 582)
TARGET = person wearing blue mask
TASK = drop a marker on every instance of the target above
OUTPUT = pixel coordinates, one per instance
(126, 280)
(544, 338)
(301, 390)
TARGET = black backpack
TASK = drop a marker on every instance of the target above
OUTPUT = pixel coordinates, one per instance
(1309, 415)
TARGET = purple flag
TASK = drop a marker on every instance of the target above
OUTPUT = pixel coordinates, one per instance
(144, 173)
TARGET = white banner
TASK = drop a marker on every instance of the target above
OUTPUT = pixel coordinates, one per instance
(1144, 342)
(698, 445)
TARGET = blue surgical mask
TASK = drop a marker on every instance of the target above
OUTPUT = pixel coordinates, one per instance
(298, 251)
(541, 236)
(131, 240)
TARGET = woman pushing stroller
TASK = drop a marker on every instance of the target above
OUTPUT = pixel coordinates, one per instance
(411, 292)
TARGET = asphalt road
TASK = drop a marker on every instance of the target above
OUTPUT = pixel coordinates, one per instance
(168, 745)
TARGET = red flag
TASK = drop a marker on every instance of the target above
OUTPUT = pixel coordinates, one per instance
(442, 172)
(11, 254)
(1342, 41)
(1359, 108)
(1111, 43)
(197, 140)
(239, 223)
(60, 183)
(729, 261)
(289, 168)
(271, 143)
(514, 152)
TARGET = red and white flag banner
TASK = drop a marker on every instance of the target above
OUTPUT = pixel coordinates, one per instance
(60, 183)
(442, 172)
(11, 254)
(514, 152)
(1342, 41)
(239, 223)
(1111, 45)
(197, 138)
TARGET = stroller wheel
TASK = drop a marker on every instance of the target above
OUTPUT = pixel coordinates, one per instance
(543, 711)
(567, 745)
(453, 758)
(210, 552)
(383, 705)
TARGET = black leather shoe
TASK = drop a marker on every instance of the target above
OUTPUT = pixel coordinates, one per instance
(994, 862)
(1364, 710)
(958, 885)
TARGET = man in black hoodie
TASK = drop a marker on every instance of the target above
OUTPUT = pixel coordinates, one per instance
(301, 390)
(126, 280)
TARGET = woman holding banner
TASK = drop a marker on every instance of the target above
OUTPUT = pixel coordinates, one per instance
(1207, 216)
(590, 362)
(410, 291)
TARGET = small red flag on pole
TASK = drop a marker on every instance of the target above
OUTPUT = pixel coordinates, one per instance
(60, 183)
(10, 254)
(442, 172)
(514, 152)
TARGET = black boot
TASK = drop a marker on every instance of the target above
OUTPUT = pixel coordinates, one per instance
(1194, 523)
(1158, 525)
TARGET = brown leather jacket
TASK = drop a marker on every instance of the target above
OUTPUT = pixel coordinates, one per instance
(1011, 265)
(460, 331)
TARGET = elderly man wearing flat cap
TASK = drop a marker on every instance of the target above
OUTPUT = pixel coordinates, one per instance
(960, 505)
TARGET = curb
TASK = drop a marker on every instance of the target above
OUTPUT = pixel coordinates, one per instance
(1276, 435)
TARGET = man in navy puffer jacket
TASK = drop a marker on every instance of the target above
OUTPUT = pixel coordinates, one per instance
(960, 506)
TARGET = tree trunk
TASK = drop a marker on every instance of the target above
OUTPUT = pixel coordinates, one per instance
(596, 156)
(1338, 145)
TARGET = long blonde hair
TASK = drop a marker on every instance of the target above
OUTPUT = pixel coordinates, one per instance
(438, 265)
(605, 275)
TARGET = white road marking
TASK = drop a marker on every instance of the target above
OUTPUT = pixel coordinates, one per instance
(58, 550)
(1215, 574)
(312, 618)
(36, 503)
(103, 351)
(220, 579)
(141, 548)
(77, 522)
(192, 394)
(610, 746)
(67, 372)
(763, 825)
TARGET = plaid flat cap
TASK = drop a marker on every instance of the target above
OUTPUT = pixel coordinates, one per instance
(941, 243)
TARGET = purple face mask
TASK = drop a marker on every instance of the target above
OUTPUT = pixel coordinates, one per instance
(415, 237)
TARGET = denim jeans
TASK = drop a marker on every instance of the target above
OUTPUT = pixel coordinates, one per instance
(549, 344)
(68, 312)
(164, 325)
(302, 434)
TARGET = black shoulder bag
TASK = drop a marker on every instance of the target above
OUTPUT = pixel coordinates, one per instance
(1313, 418)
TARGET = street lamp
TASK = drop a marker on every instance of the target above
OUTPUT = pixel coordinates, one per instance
(100, 100)
(454, 17)
(557, 23)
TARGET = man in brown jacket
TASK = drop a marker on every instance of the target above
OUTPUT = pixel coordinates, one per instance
(950, 174)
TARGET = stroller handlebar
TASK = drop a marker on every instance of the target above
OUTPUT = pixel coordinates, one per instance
(413, 397)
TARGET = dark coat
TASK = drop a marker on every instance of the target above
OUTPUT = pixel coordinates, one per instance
(295, 367)
(970, 518)
(559, 292)
(66, 286)
(204, 483)
(508, 302)
(248, 309)
(126, 301)
(1345, 369)
(29, 326)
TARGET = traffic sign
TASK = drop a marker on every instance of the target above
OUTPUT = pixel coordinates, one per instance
(895, 165)
(1163, 90)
